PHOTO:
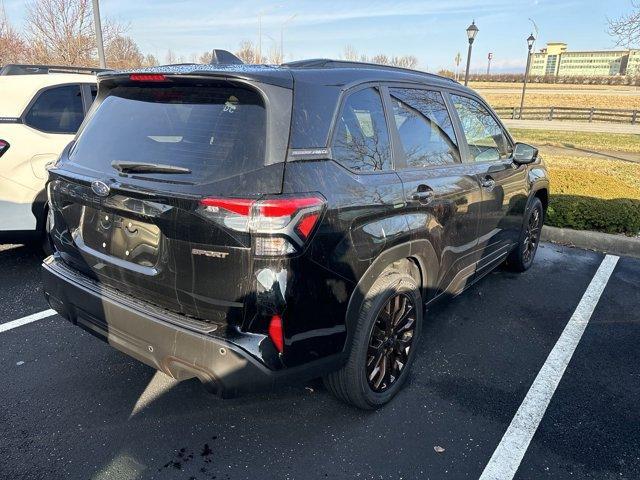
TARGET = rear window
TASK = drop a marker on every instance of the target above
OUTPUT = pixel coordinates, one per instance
(214, 131)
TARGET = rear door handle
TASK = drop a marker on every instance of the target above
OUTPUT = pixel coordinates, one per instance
(488, 182)
(424, 194)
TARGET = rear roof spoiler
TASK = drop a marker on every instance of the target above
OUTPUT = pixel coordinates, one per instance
(24, 69)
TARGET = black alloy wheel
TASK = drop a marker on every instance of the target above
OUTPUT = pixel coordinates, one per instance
(390, 342)
(532, 236)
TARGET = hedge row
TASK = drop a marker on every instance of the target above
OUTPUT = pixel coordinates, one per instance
(619, 215)
(569, 80)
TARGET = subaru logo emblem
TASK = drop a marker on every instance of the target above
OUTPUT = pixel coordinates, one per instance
(100, 188)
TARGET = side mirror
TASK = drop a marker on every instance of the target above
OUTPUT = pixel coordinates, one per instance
(523, 153)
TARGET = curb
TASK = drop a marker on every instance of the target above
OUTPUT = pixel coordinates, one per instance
(603, 242)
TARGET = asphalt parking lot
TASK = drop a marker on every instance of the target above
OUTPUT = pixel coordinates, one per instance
(73, 407)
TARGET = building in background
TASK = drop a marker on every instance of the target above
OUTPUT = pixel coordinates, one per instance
(555, 60)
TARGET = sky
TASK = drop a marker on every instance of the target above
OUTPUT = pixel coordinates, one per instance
(433, 31)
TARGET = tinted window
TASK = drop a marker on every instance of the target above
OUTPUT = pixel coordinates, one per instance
(57, 110)
(425, 128)
(215, 131)
(361, 141)
(487, 141)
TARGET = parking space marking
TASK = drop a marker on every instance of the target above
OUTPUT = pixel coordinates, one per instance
(25, 320)
(507, 457)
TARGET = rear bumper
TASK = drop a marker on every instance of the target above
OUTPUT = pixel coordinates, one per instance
(164, 341)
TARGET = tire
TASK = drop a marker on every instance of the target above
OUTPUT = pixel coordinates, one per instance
(352, 383)
(521, 258)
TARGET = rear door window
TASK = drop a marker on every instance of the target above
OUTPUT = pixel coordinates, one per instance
(215, 132)
(57, 110)
(424, 127)
(361, 141)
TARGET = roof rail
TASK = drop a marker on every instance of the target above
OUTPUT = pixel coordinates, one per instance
(24, 69)
(330, 63)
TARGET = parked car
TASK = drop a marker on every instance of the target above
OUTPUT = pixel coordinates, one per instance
(252, 225)
(41, 108)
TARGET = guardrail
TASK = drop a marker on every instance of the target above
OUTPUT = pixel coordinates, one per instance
(570, 113)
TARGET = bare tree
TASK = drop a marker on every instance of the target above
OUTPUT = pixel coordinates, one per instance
(381, 58)
(150, 61)
(170, 57)
(626, 28)
(12, 47)
(123, 52)
(61, 31)
(248, 53)
(205, 57)
(350, 53)
(405, 61)
(275, 56)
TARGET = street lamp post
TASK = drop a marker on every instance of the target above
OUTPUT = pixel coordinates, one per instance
(530, 42)
(98, 29)
(472, 31)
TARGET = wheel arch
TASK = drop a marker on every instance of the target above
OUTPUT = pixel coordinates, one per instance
(417, 258)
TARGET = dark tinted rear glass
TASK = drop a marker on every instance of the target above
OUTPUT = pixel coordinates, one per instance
(215, 131)
(57, 110)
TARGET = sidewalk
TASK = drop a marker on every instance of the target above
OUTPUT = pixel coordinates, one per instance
(573, 126)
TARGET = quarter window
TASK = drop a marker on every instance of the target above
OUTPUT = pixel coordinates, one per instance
(361, 142)
(57, 110)
(424, 127)
(486, 139)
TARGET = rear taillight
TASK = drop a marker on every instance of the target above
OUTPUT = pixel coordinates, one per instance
(281, 225)
(4, 146)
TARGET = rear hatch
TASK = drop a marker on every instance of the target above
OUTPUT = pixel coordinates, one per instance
(128, 198)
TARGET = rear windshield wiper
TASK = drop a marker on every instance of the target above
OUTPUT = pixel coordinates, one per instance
(141, 167)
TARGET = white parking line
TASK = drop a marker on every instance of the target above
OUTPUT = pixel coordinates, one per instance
(507, 457)
(25, 320)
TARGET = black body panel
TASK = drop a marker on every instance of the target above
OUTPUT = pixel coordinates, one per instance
(150, 242)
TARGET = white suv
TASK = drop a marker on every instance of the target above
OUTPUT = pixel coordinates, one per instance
(41, 109)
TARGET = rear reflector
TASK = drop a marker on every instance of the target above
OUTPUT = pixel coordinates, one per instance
(275, 332)
(4, 146)
(147, 77)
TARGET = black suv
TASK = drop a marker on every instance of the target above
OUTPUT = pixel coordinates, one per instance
(253, 225)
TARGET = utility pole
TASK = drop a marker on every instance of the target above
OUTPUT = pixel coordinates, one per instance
(259, 59)
(98, 29)
(284, 24)
(489, 58)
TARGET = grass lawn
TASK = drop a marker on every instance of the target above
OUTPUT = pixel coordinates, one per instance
(586, 100)
(594, 177)
(594, 194)
(599, 142)
(550, 86)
